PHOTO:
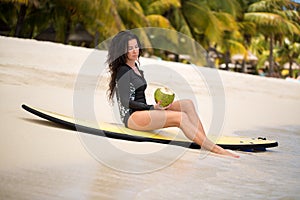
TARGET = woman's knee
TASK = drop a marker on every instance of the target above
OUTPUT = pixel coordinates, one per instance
(175, 119)
(186, 105)
(182, 119)
(189, 102)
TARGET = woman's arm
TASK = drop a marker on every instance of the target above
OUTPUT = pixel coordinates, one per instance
(139, 105)
(126, 91)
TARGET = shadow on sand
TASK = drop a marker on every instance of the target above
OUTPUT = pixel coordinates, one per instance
(47, 123)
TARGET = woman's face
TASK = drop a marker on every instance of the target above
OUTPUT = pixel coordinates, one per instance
(133, 50)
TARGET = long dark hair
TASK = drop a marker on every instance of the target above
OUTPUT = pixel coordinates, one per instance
(117, 56)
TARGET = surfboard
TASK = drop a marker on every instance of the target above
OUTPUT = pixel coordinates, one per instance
(164, 136)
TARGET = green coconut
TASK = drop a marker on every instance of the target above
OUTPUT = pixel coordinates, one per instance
(164, 95)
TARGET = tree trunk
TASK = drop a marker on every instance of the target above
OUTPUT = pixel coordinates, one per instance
(290, 68)
(271, 64)
(227, 60)
(20, 22)
(115, 15)
(68, 28)
(244, 69)
(96, 39)
(176, 57)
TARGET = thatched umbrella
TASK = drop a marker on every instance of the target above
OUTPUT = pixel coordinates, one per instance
(80, 36)
(294, 66)
(241, 57)
(48, 34)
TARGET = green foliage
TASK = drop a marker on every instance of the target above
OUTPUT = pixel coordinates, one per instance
(227, 26)
(275, 19)
(161, 7)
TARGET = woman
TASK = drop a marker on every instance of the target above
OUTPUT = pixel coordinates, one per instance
(129, 83)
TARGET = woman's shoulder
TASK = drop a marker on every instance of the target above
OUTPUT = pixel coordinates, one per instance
(124, 67)
(123, 70)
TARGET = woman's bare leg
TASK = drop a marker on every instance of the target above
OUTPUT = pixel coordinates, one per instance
(188, 107)
(156, 119)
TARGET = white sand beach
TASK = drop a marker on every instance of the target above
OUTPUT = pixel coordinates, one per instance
(40, 160)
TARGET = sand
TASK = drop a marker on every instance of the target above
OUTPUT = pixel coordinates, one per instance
(40, 160)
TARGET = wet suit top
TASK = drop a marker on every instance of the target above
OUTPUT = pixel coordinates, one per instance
(130, 91)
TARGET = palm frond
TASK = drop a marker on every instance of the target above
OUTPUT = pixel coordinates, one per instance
(159, 21)
(160, 7)
(131, 14)
(236, 47)
(179, 23)
(108, 21)
(247, 27)
(272, 23)
(268, 5)
(228, 22)
(231, 7)
(202, 20)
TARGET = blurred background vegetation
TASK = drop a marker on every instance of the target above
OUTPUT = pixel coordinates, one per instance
(250, 36)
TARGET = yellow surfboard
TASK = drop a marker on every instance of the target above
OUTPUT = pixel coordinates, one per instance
(166, 136)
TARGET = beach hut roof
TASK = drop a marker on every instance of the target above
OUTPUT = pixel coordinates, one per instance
(239, 57)
(80, 35)
(48, 34)
(294, 65)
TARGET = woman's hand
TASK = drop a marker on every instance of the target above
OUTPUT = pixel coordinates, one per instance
(159, 107)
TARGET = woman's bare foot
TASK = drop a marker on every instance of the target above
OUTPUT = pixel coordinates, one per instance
(209, 145)
(219, 150)
(228, 153)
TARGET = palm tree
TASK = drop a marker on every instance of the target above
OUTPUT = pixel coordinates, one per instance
(204, 25)
(288, 52)
(232, 39)
(152, 13)
(38, 14)
(132, 16)
(21, 8)
(212, 23)
(259, 47)
(273, 18)
(65, 14)
(104, 19)
(8, 17)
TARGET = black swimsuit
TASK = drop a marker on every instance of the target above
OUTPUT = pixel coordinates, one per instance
(130, 91)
